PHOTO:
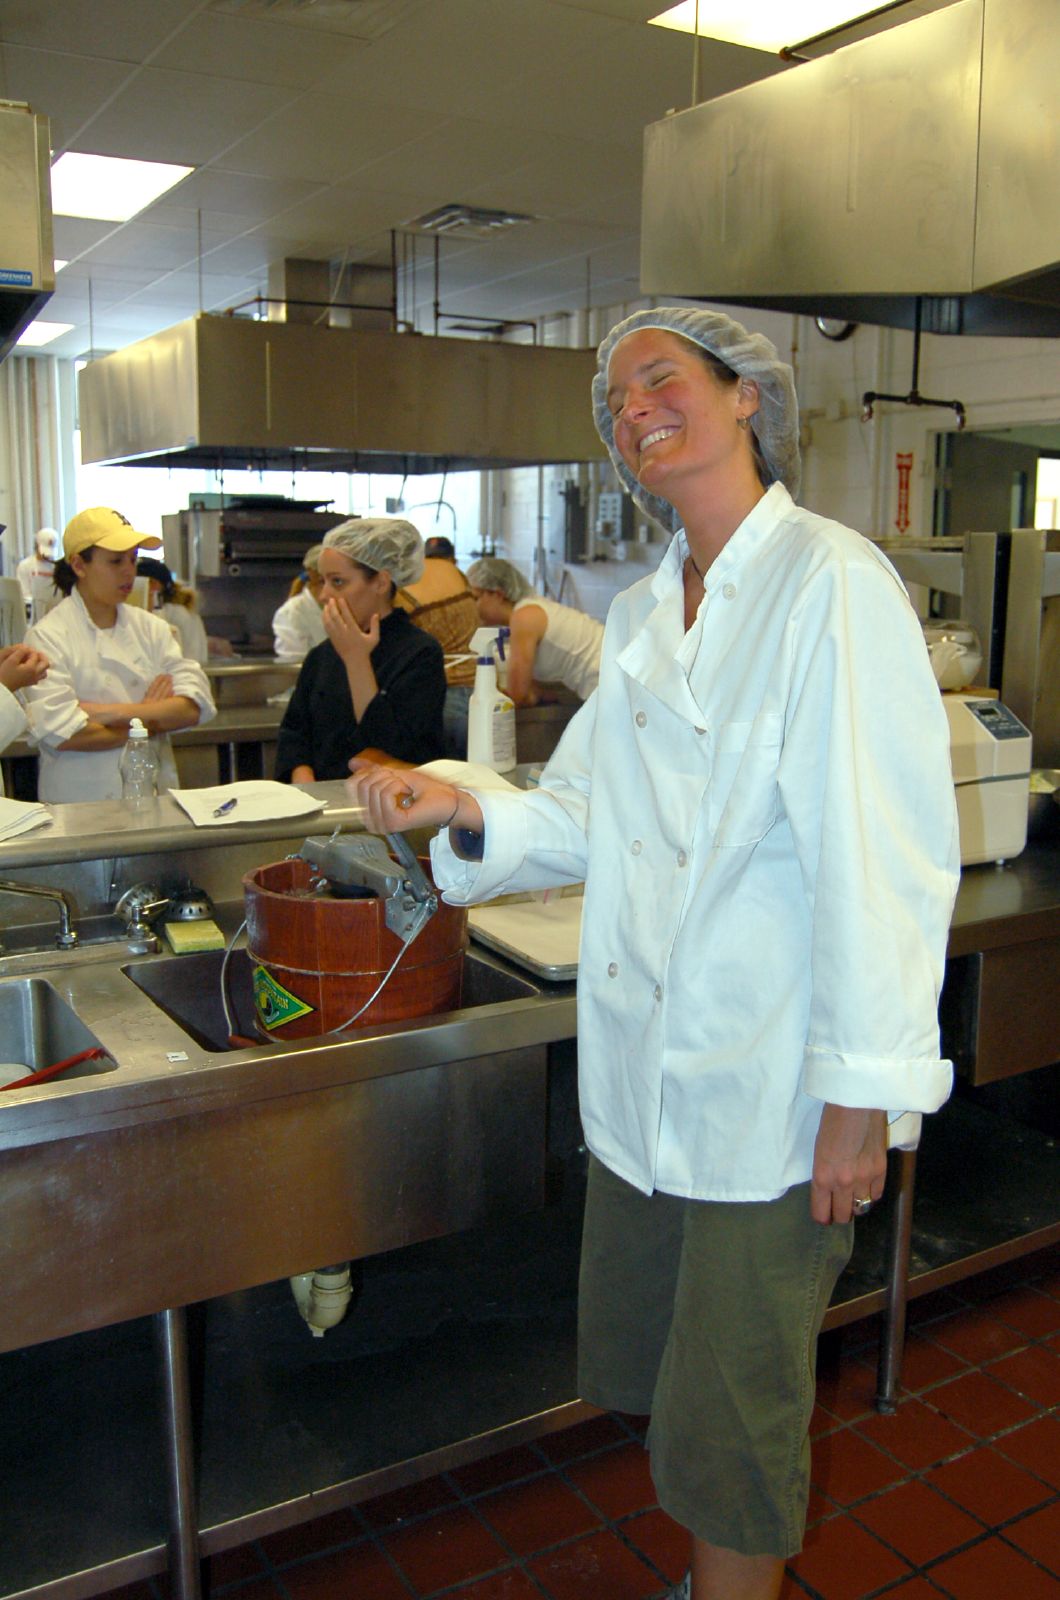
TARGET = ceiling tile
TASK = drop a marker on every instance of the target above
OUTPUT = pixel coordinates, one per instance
(177, 116)
(67, 89)
(247, 47)
(326, 137)
(127, 30)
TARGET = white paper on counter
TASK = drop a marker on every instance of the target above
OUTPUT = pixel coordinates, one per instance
(468, 775)
(19, 816)
(257, 800)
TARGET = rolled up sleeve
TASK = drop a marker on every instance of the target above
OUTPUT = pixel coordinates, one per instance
(866, 784)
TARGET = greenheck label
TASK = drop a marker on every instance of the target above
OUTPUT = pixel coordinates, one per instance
(276, 1005)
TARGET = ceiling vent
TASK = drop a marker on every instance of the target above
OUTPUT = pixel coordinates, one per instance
(454, 218)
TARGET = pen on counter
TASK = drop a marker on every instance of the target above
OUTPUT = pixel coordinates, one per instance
(225, 808)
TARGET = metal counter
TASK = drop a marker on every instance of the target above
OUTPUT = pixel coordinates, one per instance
(167, 1182)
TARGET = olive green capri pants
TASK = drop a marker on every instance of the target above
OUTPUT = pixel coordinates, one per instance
(706, 1315)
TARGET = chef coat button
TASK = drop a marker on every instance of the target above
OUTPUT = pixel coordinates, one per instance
(636, 847)
(641, 720)
(612, 970)
(682, 859)
(729, 591)
(657, 991)
(701, 731)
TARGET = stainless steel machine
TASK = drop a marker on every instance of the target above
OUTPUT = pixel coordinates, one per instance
(1007, 585)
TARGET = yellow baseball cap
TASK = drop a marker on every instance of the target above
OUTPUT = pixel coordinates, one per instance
(107, 528)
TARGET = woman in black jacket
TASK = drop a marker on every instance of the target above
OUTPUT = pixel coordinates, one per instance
(378, 681)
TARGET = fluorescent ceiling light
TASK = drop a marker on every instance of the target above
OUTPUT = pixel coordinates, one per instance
(59, 265)
(762, 24)
(109, 188)
(43, 332)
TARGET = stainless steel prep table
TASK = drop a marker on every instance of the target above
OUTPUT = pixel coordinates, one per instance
(162, 1185)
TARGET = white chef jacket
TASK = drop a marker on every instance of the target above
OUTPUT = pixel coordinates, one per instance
(764, 815)
(297, 627)
(106, 664)
(13, 720)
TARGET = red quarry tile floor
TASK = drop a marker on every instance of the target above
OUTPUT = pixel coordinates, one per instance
(955, 1497)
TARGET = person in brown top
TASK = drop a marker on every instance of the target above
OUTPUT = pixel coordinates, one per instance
(441, 603)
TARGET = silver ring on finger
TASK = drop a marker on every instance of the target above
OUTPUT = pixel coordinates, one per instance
(861, 1207)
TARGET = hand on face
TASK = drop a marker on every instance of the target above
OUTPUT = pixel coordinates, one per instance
(21, 667)
(353, 643)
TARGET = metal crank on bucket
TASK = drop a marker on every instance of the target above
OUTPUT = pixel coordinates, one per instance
(359, 862)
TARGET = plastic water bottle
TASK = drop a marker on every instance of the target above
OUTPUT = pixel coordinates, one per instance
(139, 767)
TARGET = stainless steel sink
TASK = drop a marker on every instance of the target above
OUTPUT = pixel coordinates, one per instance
(188, 989)
(38, 1028)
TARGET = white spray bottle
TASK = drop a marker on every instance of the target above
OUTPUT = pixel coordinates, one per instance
(490, 714)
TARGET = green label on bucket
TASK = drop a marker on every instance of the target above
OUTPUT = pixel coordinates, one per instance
(275, 1004)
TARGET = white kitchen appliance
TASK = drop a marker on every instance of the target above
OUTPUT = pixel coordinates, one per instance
(990, 752)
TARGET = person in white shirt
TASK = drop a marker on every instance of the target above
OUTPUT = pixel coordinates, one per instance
(298, 625)
(549, 642)
(39, 565)
(110, 662)
(20, 668)
(760, 802)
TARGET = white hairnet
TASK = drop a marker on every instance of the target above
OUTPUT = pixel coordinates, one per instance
(490, 572)
(386, 544)
(311, 558)
(751, 355)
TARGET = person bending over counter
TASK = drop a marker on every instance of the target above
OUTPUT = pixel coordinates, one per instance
(299, 623)
(110, 662)
(377, 682)
(760, 802)
(549, 643)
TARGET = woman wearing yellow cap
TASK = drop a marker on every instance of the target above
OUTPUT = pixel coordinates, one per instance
(110, 662)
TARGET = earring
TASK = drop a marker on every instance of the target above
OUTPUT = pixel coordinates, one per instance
(742, 422)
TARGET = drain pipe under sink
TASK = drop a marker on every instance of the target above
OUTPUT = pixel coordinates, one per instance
(323, 1296)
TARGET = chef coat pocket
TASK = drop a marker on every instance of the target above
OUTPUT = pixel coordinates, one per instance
(742, 799)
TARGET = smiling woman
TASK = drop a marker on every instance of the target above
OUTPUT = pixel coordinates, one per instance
(758, 797)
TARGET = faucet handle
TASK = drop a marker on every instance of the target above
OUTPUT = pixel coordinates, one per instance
(140, 903)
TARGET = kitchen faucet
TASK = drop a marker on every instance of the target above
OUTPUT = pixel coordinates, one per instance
(66, 938)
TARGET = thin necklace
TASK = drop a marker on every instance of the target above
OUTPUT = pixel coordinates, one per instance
(695, 569)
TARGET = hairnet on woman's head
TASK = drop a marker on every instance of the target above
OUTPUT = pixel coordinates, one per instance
(386, 544)
(311, 559)
(492, 573)
(750, 355)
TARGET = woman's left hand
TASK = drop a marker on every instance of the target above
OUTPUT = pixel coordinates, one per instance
(849, 1162)
(160, 688)
(353, 643)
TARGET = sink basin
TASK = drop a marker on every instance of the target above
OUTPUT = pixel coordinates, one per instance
(188, 989)
(38, 1028)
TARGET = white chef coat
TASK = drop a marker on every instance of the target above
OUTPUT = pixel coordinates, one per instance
(569, 650)
(31, 570)
(763, 811)
(191, 630)
(13, 720)
(105, 664)
(297, 627)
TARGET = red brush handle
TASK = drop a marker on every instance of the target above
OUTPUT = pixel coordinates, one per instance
(53, 1072)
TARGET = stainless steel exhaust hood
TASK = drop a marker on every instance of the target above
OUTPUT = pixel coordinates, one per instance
(922, 162)
(27, 268)
(227, 391)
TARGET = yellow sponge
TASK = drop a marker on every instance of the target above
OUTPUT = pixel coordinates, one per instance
(202, 934)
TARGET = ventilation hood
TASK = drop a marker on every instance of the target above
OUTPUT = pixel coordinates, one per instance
(27, 268)
(921, 162)
(222, 391)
